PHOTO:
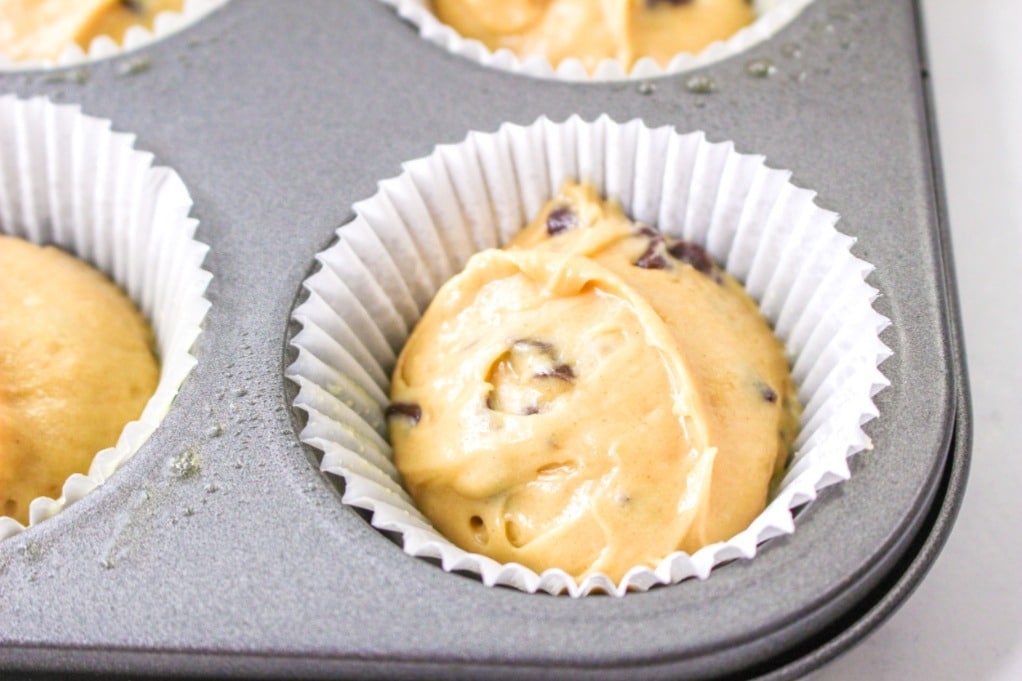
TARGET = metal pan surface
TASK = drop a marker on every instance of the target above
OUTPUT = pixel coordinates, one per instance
(278, 117)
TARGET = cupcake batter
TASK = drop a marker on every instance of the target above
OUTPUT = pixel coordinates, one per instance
(594, 30)
(591, 398)
(76, 365)
(41, 29)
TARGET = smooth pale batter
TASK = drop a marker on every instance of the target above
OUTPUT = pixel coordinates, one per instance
(594, 30)
(591, 398)
(76, 365)
(41, 29)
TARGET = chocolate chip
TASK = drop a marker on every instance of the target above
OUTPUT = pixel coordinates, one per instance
(560, 220)
(530, 410)
(652, 259)
(768, 393)
(561, 371)
(647, 231)
(133, 5)
(408, 410)
(693, 254)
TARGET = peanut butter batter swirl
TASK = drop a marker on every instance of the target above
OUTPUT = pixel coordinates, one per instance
(593, 30)
(593, 397)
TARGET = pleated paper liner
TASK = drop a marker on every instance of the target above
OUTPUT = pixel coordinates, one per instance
(102, 47)
(66, 179)
(772, 16)
(420, 228)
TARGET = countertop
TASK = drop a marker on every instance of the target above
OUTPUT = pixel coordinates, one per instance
(965, 619)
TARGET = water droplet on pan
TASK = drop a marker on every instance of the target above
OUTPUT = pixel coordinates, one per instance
(701, 85)
(760, 68)
(76, 76)
(184, 465)
(131, 67)
(33, 552)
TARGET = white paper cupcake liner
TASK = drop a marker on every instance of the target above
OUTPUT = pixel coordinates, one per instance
(67, 179)
(422, 226)
(772, 16)
(101, 47)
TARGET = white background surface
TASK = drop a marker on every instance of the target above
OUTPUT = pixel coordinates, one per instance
(965, 620)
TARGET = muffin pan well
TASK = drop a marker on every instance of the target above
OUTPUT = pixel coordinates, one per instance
(771, 16)
(219, 550)
(66, 179)
(102, 46)
(419, 230)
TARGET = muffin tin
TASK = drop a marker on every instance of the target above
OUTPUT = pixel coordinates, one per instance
(278, 117)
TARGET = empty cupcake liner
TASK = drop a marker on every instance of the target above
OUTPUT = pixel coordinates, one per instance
(772, 16)
(67, 179)
(101, 47)
(421, 227)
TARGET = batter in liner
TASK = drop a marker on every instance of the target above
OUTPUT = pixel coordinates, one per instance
(76, 365)
(41, 29)
(594, 30)
(593, 397)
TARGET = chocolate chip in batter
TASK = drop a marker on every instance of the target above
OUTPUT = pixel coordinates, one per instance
(768, 393)
(652, 259)
(560, 220)
(133, 5)
(693, 254)
(561, 371)
(408, 410)
(520, 378)
(649, 232)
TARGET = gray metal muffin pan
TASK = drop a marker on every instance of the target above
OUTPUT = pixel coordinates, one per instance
(279, 116)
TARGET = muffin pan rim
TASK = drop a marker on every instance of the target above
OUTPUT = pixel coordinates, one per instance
(205, 207)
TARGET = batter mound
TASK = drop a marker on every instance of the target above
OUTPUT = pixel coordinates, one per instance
(41, 29)
(76, 365)
(593, 397)
(594, 30)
